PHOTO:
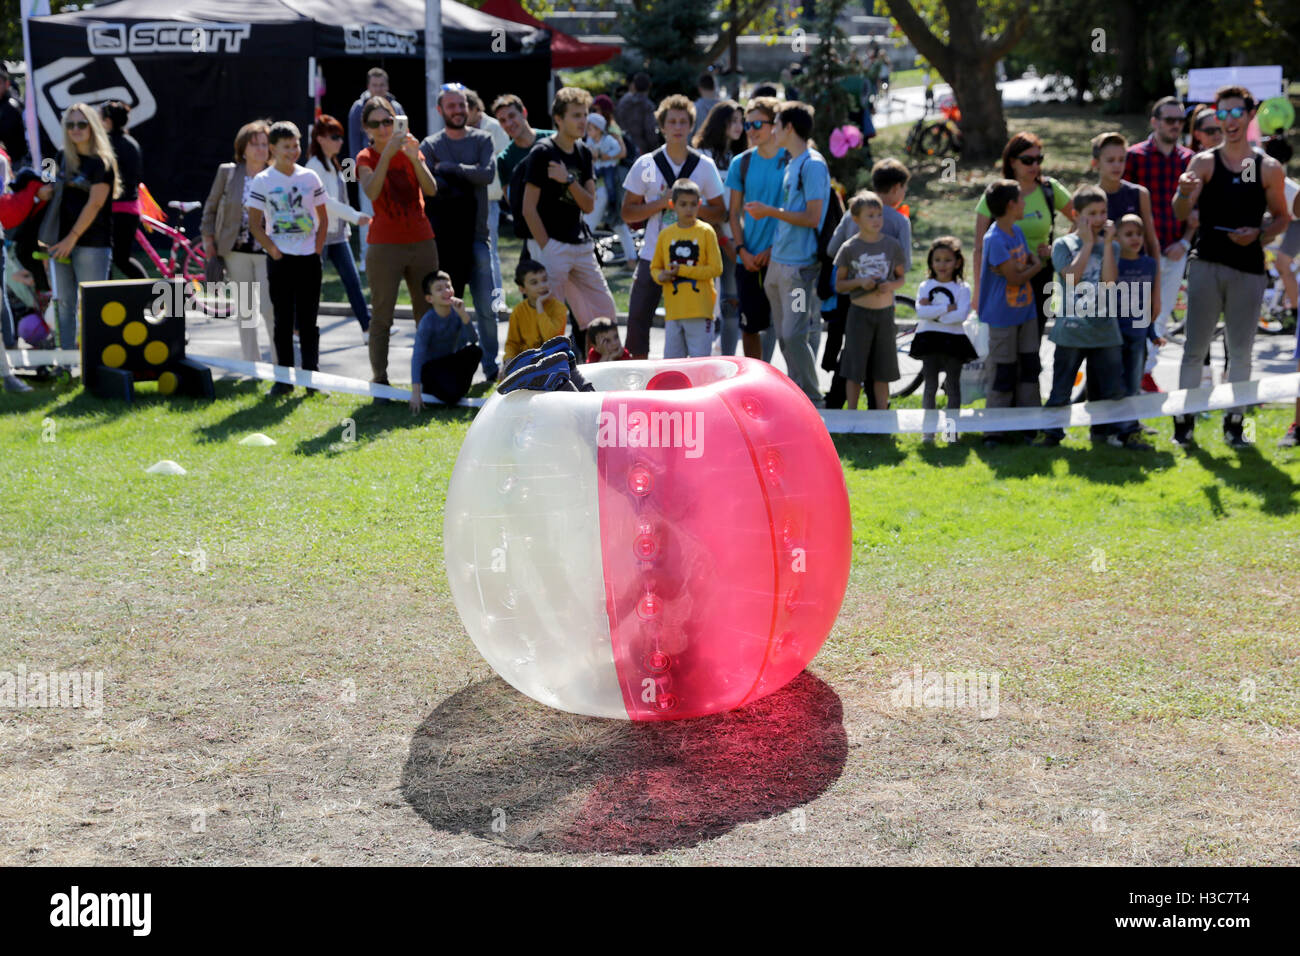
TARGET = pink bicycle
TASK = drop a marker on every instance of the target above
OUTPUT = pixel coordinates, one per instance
(185, 259)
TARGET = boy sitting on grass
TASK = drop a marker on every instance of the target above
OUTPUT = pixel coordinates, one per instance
(446, 352)
(869, 267)
(539, 317)
(685, 263)
(603, 343)
(1085, 329)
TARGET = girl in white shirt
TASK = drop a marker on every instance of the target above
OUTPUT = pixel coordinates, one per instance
(942, 304)
(326, 144)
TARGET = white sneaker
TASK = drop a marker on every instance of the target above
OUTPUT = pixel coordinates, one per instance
(365, 338)
(14, 384)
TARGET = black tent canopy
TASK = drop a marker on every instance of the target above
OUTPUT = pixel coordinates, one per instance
(194, 71)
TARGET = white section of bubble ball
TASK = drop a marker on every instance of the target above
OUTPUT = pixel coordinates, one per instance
(522, 539)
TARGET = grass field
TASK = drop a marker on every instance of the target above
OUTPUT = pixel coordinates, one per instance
(287, 681)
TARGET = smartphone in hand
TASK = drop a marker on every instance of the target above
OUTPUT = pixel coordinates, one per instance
(401, 126)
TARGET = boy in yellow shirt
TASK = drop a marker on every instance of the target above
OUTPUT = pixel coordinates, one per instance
(685, 263)
(539, 317)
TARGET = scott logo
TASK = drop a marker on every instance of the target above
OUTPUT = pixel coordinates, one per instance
(163, 37)
(371, 38)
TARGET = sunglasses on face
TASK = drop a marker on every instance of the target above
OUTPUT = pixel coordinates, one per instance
(1171, 119)
(338, 136)
(386, 121)
(1237, 112)
(757, 124)
(1031, 160)
(77, 124)
(1211, 130)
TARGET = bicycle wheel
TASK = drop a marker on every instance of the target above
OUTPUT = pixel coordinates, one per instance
(214, 306)
(935, 140)
(905, 322)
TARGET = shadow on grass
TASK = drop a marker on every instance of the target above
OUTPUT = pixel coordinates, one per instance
(264, 414)
(1252, 473)
(368, 422)
(492, 763)
(1102, 465)
(869, 451)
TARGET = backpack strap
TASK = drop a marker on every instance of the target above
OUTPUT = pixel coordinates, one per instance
(661, 160)
(1049, 188)
(745, 157)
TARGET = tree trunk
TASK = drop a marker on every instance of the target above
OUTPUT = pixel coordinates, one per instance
(983, 124)
(1133, 91)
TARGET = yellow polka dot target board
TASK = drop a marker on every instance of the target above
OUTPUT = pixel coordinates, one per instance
(131, 333)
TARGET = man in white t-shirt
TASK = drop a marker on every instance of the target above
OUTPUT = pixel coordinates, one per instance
(647, 196)
(287, 217)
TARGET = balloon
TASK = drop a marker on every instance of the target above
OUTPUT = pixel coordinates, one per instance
(845, 138)
(1275, 115)
(674, 544)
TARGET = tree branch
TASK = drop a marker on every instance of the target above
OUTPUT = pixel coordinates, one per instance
(745, 15)
(918, 31)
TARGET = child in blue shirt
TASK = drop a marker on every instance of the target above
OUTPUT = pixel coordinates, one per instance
(1006, 303)
(446, 352)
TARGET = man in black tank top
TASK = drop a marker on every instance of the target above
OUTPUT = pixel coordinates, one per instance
(1231, 187)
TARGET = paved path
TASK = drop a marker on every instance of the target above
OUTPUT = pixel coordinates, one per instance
(343, 353)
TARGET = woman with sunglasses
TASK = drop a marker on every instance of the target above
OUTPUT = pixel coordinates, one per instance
(225, 231)
(1206, 132)
(1231, 186)
(326, 144)
(400, 243)
(1022, 160)
(88, 171)
(722, 138)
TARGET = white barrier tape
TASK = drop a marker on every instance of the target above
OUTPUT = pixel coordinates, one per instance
(321, 380)
(1274, 388)
(36, 358)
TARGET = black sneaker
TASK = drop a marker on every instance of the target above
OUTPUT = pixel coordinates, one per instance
(379, 400)
(1183, 426)
(1291, 438)
(1232, 430)
(1132, 441)
(281, 388)
(1044, 440)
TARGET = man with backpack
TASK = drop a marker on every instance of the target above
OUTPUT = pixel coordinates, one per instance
(647, 197)
(755, 176)
(798, 247)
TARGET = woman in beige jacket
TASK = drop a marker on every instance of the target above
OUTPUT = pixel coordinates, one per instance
(225, 231)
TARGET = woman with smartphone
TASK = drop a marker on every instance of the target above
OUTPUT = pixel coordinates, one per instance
(400, 244)
(326, 144)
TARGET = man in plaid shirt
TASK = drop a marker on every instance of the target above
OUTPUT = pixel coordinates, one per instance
(1156, 163)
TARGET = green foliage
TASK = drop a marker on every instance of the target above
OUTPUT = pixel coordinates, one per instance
(829, 63)
(602, 78)
(665, 33)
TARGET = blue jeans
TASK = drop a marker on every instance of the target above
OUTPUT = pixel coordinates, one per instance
(483, 290)
(340, 255)
(494, 232)
(7, 330)
(89, 264)
(730, 307)
(1105, 367)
